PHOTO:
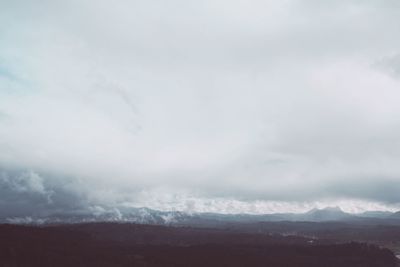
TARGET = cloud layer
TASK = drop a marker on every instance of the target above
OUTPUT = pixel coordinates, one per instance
(285, 103)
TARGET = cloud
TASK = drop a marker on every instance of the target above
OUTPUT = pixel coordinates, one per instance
(20, 191)
(26, 182)
(237, 101)
(27, 193)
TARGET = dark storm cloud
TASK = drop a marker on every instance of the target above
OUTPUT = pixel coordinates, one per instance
(27, 193)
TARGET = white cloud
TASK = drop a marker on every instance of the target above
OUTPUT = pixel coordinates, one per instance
(279, 101)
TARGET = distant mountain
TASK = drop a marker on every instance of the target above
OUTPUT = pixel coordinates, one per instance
(395, 215)
(132, 215)
(375, 214)
(178, 218)
(326, 214)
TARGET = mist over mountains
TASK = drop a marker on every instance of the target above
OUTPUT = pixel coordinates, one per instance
(179, 218)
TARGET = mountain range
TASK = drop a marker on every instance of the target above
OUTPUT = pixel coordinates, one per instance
(178, 218)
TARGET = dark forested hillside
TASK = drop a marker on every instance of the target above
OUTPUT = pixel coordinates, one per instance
(141, 245)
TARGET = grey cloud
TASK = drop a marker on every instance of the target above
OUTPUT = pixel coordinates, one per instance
(27, 193)
(373, 188)
(292, 101)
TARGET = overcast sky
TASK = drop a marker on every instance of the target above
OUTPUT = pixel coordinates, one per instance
(210, 105)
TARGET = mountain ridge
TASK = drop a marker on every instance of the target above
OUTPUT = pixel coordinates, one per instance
(149, 216)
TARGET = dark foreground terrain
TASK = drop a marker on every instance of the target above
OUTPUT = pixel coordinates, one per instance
(112, 244)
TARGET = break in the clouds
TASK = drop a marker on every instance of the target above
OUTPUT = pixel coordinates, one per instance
(226, 106)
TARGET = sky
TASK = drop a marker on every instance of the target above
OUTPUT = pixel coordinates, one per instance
(210, 105)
